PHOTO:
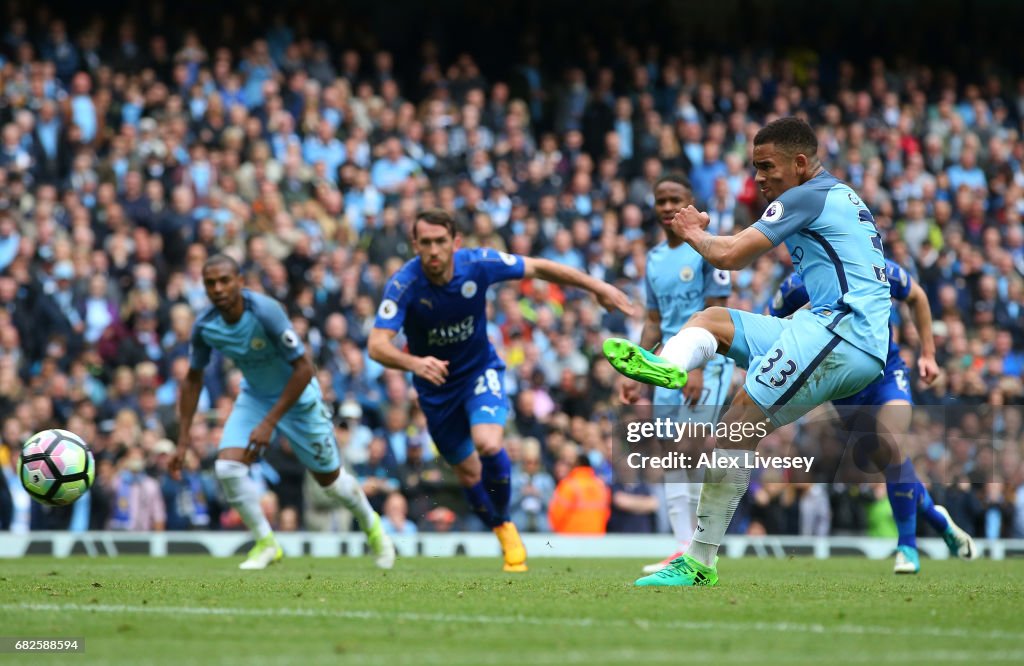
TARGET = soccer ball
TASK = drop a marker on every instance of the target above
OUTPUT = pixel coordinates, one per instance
(56, 467)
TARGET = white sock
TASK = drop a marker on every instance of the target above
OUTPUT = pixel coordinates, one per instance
(348, 493)
(719, 496)
(681, 501)
(690, 348)
(243, 494)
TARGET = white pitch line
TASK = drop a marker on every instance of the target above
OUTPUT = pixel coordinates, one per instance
(672, 656)
(710, 625)
(626, 656)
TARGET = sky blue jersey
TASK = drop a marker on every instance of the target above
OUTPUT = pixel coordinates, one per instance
(262, 344)
(792, 295)
(678, 281)
(837, 251)
(448, 322)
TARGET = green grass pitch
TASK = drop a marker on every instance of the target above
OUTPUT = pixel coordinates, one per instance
(200, 610)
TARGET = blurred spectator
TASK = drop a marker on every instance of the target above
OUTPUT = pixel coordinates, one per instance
(137, 500)
(532, 488)
(379, 474)
(188, 500)
(396, 516)
(634, 507)
(353, 436)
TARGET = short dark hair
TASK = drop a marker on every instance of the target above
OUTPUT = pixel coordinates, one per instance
(677, 177)
(437, 216)
(223, 259)
(791, 134)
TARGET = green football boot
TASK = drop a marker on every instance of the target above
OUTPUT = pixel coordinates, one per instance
(684, 571)
(265, 552)
(641, 365)
(381, 545)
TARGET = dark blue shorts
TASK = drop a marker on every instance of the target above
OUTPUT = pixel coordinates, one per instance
(894, 384)
(452, 411)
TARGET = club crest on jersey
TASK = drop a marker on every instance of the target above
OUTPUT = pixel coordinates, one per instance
(686, 274)
(773, 213)
(258, 343)
(388, 309)
(468, 289)
(507, 259)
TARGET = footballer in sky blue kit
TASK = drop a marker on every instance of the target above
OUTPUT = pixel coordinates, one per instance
(439, 300)
(280, 394)
(832, 350)
(890, 393)
(679, 284)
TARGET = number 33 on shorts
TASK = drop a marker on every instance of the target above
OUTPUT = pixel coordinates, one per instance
(774, 374)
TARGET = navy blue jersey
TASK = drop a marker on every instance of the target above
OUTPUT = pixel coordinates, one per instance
(448, 322)
(792, 294)
(262, 344)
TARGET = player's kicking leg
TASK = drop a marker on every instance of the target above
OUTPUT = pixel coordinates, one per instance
(794, 365)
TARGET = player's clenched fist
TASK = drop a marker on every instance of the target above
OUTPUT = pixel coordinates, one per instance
(928, 369)
(431, 369)
(688, 220)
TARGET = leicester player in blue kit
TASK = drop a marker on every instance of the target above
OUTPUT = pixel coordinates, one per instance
(679, 283)
(439, 300)
(890, 398)
(279, 393)
(832, 350)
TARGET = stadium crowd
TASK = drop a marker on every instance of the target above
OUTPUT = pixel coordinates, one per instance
(127, 159)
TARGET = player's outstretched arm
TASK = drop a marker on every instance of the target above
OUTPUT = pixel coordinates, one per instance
(607, 295)
(921, 311)
(383, 350)
(188, 401)
(730, 253)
